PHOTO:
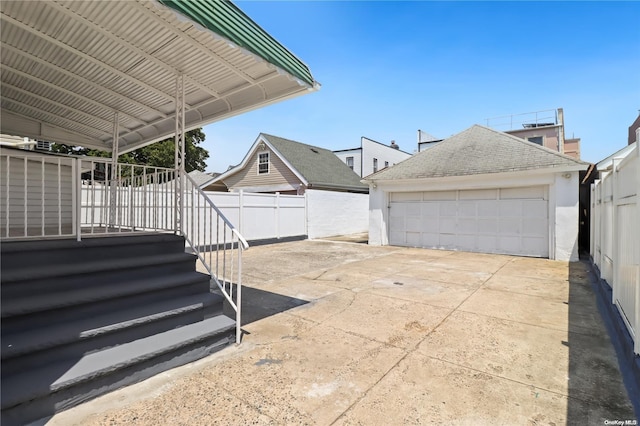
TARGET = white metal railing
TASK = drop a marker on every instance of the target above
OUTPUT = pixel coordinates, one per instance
(37, 194)
(119, 197)
(524, 120)
(216, 242)
(47, 195)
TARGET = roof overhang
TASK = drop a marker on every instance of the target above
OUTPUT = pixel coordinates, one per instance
(511, 179)
(68, 67)
(607, 163)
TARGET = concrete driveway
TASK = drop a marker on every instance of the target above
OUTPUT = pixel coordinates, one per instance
(348, 334)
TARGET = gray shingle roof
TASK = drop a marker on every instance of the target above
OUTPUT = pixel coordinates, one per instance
(477, 150)
(320, 167)
(200, 178)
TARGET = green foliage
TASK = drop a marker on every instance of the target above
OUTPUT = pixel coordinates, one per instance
(159, 154)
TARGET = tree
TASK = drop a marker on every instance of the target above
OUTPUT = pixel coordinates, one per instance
(159, 154)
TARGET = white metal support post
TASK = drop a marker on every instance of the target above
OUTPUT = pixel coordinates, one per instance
(113, 180)
(179, 156)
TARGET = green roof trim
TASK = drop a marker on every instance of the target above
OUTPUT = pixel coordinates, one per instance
(227, 20)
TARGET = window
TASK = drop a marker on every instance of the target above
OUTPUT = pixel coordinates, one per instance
(386, 164)
(263, 163)
(375, 165)
(350, 162)
(536, 139)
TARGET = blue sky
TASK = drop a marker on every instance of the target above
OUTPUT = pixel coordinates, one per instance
(388, 69)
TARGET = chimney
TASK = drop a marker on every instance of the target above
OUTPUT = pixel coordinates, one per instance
(394, 145)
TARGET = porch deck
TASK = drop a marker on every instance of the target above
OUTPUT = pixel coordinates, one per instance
(339, 333)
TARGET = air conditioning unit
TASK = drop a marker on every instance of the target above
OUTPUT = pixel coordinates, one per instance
(43, 146)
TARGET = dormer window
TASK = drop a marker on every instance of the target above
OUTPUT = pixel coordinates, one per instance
(263, 163)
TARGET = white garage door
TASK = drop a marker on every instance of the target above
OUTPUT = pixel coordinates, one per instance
(508, 220)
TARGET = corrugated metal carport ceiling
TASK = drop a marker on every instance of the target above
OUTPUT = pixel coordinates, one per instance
(67, 66)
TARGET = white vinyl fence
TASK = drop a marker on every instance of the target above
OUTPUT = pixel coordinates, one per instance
(263, 216)
(615, 236)
(316, 214)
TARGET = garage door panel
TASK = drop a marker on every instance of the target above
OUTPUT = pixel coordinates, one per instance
(488, 208)
(439, 195)
(534, 226)
(397, 238)
(413, 224)
(487, 226)
(487, 243)
(396, 224)
(414, 239)
(398, 210)
(448, 208)
(467, 209)
(447, 241)
(467, 225)
(509, 226)
(534, 245)
(430, 240)
(447, 225)
(509, 244)
(479, 194)
(522, 193)
(430, 209)
(413, 209)
(534, 208)
(405, 196)
(466, 242)
(510, 208)
(430, 225)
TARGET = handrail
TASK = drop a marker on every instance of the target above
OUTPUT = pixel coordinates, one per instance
(217, 244)
(52, 196)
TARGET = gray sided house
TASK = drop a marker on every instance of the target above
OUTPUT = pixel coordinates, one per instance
(275, 164)
(480, 190)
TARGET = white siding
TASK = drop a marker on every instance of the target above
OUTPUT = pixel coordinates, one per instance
(372, 149)
(356, 154)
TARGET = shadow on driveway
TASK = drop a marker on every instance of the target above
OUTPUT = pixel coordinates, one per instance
(258, 304)
(594, 374)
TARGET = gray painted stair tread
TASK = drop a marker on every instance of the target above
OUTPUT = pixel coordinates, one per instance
(68, 332)
(87, 242)
(50, 271)
(37, 383)
(39, 302)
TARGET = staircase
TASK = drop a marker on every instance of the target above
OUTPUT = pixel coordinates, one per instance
(82, 318)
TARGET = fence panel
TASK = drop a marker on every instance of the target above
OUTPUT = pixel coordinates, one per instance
(616, 236)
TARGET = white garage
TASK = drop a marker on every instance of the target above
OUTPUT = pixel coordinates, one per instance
(481, 191)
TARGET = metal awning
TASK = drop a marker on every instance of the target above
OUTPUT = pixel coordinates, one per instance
(69, 66)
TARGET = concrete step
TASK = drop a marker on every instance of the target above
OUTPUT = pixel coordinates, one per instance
(37, 393)
(28, 349)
